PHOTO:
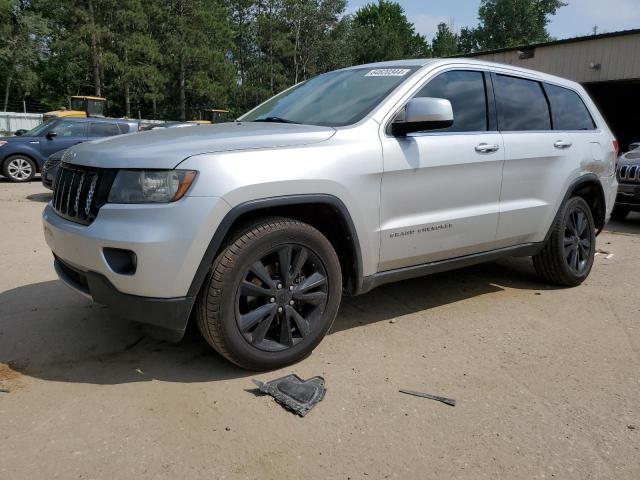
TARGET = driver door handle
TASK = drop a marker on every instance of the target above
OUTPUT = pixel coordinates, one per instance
(487, 148)
(561, 144)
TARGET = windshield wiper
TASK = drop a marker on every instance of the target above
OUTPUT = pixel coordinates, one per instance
(275, 120)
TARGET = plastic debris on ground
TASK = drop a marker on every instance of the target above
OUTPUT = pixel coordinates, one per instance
(445, 400)
(295, 393)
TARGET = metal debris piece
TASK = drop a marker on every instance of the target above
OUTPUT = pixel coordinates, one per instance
(448, 401)
(294, 393)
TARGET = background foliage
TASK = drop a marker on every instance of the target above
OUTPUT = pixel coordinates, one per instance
(174, 58)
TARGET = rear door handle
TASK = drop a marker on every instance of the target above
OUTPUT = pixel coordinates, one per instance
(486, 148)
(561, 144)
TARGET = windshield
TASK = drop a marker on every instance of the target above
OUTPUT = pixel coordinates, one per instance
(334, 99)
(39, 130)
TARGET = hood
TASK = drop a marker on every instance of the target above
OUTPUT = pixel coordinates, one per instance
(166, 148)
(21, 139)
(630, 158)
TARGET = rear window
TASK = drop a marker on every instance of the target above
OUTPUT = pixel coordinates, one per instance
(521, 104)
(568, 110)
(103, 129)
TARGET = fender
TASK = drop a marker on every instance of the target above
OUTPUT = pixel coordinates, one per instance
(252, 205)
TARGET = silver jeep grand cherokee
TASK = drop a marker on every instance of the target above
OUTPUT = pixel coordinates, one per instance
(347, 181)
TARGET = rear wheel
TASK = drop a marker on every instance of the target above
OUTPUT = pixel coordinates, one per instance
(19, 168)
(271, 295)
(567, 257)
(619, 213)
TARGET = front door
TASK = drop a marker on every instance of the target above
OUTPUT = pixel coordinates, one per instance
(441, 189)
(67, 133)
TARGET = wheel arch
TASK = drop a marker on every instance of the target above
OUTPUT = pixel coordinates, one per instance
(327, 213)
(588, 187)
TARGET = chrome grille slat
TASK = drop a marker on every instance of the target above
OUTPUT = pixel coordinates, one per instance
(76, 202)
(70, 189)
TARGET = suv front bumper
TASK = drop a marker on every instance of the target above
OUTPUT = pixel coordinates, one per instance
(628, 196)
(168, 240)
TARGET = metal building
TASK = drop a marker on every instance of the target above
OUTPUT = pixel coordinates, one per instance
(608, 65)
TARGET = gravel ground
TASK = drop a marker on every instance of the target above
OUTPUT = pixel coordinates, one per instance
(547, 380)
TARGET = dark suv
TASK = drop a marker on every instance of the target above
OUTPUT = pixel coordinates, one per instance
(628, 199)
(21, 157)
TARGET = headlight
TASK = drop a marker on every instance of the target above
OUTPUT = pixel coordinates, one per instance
(150, 186)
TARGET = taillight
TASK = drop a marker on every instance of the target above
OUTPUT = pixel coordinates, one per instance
(616, 150)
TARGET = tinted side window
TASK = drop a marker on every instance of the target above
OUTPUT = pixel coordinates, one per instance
(521, 104)
(568, 110)
(124, 127)
(465, 90)
(103, 130)
(66, 128)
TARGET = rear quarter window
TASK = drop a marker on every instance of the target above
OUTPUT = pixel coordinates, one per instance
(568, 110)
(522, 104)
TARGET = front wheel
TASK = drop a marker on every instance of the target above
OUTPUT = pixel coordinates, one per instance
(19, 168)
(567, 257)
(271, 295)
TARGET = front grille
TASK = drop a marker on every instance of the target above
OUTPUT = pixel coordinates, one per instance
(79, 192)
(629, 173)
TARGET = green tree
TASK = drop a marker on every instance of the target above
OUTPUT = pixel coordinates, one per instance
(511, 23)
(382, 32)
(133, 55)
(467, 40)
(197, 48)
(445, 42)
(22, 38)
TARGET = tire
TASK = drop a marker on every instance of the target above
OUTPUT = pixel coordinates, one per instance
(19, 168)
(568, 254)
(259, 315)
(619, 213)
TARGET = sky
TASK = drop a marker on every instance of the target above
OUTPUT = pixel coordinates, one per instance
(576, 19)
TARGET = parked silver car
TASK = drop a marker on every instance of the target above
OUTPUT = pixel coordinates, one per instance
(347, 181)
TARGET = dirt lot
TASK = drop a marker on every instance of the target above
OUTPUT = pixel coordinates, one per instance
(547, 380)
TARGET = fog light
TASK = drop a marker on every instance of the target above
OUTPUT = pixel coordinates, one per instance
(121, 261)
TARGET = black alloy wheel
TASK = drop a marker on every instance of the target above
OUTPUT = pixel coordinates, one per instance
(577, 241)
(281, 298)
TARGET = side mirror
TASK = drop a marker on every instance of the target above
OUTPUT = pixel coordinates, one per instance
(51, 135)
(423, 113)
(20, 132)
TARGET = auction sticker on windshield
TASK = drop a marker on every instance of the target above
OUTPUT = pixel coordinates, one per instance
(388, 72)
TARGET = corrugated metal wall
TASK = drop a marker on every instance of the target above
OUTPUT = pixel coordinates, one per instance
(12, 121)
(618, 56)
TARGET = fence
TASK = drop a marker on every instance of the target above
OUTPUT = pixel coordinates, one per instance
(12, 121)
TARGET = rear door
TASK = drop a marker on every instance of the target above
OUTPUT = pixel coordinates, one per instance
(537, 159)
(440, 189)
(67, 133)
(104, 129)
